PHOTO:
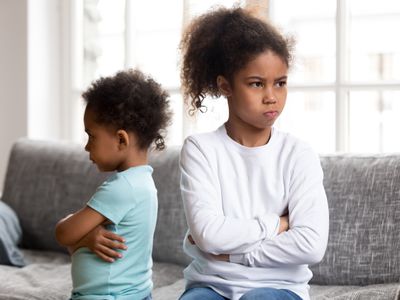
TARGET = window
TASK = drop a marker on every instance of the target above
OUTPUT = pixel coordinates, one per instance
(344, 86)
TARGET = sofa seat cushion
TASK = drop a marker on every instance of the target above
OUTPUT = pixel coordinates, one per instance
(376, 292)
(47, 276)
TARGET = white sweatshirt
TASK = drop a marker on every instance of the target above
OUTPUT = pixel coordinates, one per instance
(233, 197)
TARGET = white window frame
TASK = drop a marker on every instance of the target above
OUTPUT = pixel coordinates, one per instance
(73, 61)
(341, 86)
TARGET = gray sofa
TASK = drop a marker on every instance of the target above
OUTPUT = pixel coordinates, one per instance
(47, 180)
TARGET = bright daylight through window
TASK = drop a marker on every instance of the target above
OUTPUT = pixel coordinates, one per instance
(344, 87)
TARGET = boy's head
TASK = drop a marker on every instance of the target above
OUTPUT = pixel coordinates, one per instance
(132, 102)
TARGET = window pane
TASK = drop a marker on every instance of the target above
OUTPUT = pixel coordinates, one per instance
(314, 32)
(311, 117)
(103, 38)
(174, 132)
(374, 121)
(374, 49)
(155, 36)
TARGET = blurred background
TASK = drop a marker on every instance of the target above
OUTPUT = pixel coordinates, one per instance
(344, 86)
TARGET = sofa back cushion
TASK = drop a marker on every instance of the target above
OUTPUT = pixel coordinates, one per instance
(364, 204)
(46, 181)
(171, 223)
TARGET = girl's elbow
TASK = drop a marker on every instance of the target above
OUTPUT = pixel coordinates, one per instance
(316, 253)
(208, 245)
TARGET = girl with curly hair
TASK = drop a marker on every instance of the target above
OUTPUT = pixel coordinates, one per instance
(253, 196)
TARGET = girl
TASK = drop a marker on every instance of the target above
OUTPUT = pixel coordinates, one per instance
(253, 196)
(124, 115)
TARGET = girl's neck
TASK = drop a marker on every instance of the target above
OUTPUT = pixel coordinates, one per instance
(247, 135)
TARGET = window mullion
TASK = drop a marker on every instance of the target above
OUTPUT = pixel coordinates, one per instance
(342, 111)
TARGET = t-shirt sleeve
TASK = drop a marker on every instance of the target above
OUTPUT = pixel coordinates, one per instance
(113, 199)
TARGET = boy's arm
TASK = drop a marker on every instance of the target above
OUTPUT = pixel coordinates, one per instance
(70, 230)
(101, 242)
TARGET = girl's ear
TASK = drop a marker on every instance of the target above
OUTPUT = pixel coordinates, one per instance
(224, 86)
(123, 139)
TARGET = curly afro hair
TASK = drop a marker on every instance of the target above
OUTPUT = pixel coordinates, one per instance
(133, 102)
(221, 42)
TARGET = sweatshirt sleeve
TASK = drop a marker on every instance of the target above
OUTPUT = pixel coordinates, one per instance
(212, 231)
(306, 240)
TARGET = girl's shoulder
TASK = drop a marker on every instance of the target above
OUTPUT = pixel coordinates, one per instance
(204, 139)
(290, 143)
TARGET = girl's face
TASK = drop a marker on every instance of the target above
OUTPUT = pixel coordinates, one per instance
(103, 144)
(257, 95)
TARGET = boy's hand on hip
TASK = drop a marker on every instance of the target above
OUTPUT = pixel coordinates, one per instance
(104, 243)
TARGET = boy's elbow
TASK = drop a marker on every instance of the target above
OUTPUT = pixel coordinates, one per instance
(62, 237)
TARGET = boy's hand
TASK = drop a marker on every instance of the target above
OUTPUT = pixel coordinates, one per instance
(283, 224)
(103, 243)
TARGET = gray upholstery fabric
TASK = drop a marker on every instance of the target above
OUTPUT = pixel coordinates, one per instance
(47, 277)
(171, 223)
(10, 234)
(370, 292)
(45, 181)
(364, 203)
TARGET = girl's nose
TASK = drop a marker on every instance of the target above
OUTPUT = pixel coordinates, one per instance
(269, 97)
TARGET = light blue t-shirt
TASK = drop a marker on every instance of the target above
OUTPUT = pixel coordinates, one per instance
(129, 200)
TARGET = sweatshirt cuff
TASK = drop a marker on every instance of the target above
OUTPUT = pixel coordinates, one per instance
(269, 224)
(237, 259)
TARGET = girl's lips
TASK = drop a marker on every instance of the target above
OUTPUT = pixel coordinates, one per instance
(271, 114)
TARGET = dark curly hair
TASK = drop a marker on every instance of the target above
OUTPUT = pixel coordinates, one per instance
(221, 42)
(133, 102)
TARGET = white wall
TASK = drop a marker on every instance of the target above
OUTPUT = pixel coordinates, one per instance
(13, 77)
(44, 76)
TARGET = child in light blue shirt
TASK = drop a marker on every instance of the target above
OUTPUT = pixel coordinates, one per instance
(124, 115)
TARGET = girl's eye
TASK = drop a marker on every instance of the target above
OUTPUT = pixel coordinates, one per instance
(281, 83)
(257, 84)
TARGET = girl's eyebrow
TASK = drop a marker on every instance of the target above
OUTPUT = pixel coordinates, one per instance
(262, 78)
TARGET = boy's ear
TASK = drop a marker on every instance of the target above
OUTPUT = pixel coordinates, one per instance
(224, 86)
(123, 139)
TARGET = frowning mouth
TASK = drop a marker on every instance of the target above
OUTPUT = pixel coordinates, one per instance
(271, 114)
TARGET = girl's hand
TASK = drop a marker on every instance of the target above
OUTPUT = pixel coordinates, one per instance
(283, 224)
(220, 257)
(103, 243)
